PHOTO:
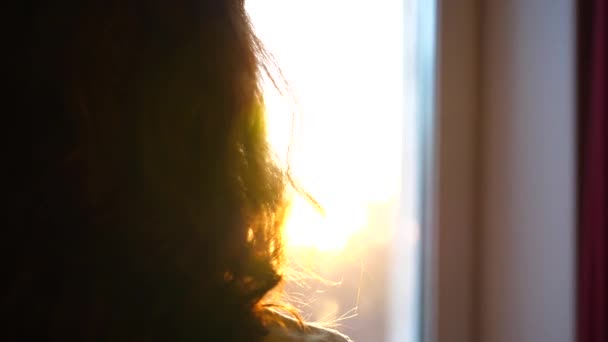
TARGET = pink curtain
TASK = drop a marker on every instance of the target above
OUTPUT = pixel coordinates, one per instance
(592, 315)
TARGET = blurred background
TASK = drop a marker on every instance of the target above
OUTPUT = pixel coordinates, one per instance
(457, 149)
(345, 119)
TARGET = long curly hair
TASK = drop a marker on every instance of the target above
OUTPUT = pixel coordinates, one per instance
(144, 201)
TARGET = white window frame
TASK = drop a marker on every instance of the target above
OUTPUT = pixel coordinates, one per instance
(499, 250)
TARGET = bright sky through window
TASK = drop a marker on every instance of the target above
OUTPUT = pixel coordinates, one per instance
(343, 61)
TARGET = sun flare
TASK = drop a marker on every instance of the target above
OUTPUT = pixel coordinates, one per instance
(344, 128)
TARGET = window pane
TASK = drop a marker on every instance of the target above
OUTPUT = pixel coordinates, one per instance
(347, 126)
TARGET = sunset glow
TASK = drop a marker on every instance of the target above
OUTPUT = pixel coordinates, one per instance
(345, 104)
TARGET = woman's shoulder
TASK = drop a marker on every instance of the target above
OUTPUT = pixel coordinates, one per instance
(285, 329)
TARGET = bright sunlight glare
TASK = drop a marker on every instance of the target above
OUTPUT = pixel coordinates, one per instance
(342, 116)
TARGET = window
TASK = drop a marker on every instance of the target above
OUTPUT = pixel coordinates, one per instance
(348, 122)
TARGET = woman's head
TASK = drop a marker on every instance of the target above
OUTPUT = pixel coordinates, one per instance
(146, 203)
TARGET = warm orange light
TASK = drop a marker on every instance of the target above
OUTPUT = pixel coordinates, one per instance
(348, 82)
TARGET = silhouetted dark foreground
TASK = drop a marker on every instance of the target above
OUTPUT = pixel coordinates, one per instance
(141, 203)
